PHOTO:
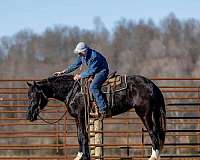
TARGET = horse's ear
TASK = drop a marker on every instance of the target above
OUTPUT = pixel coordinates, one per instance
(29, 84)
(34, 83)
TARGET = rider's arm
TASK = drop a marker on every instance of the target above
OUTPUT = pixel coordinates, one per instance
(92, 68)
(74, 66)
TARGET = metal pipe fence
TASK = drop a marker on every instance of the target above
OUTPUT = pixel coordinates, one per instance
(124, 136)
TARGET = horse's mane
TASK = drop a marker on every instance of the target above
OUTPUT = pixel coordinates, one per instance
(50, 79)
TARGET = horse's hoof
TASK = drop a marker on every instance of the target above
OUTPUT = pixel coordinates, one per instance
(154, 158)
(79, 156)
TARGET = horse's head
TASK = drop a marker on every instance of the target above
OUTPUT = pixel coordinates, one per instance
(37, 101)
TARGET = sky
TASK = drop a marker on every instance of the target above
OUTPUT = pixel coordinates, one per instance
(16, 15)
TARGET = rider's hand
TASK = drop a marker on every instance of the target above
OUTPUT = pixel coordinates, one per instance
(77, 77)
(58, 73)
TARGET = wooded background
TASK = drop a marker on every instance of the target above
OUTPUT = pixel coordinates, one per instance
(170, 48)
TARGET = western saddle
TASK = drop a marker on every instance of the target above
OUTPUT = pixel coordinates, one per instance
(113, 84)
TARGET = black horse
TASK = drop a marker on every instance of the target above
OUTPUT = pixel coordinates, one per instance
(141, 94)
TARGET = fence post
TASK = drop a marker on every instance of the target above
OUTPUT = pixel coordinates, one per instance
(92, 138)
(96, 137)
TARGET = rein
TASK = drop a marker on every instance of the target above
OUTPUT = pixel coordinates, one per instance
(56, 121)
(61, 117)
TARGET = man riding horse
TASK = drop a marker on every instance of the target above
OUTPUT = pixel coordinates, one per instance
(97, 68)
(140, 93)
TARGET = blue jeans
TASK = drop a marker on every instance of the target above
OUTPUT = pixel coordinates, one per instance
(95, 89)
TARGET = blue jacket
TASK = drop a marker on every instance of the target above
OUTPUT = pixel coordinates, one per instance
(95, 61)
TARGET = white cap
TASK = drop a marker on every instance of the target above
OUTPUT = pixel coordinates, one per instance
(81, 47)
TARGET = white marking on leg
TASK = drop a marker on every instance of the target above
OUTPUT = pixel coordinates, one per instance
(155, 154)
(79, 156)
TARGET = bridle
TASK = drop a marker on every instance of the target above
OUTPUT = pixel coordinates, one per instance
(67, 101)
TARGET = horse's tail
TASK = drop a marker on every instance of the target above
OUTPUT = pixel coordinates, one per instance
(162, 127)
(159, 117)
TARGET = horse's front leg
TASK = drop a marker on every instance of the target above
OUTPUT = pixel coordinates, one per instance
(83, 153)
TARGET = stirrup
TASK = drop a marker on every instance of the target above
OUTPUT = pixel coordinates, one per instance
(98, 115)
(94, 115)
(102, 115)
(94, 111)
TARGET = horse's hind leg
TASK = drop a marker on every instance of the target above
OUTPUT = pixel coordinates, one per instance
(150, 126)
(159, 117)
(159, 121)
